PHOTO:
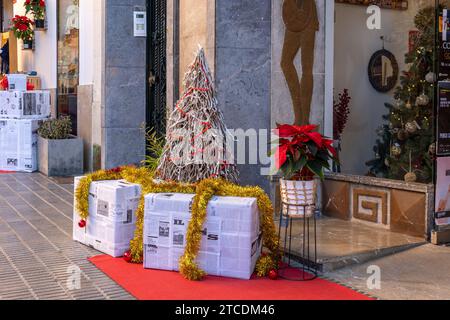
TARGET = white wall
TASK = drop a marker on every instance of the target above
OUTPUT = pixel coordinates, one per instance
(44, 58)
(92, 58)
(354, 46)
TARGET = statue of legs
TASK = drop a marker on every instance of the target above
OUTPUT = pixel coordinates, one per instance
(301, 92)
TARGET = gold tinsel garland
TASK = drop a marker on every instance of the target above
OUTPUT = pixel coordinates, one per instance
(204, 191)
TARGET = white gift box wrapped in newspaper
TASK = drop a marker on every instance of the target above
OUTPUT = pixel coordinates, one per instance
(18, 145)
(112, 216)
(17, 82)
(25, 104)
(231, 243)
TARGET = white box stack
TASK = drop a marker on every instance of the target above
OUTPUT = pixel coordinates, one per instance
(231, 242)
(25, 104)
(18, 145)
(112, 216)
(21, 113)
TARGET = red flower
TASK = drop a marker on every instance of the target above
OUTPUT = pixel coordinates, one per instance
(302, 151)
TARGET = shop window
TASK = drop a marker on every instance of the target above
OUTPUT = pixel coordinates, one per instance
(385, 62)
(68, 58)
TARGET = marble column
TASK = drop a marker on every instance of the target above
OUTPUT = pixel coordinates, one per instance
(123, 140)
(243, 70)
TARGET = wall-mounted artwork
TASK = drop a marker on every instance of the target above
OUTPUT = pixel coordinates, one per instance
(387, 4)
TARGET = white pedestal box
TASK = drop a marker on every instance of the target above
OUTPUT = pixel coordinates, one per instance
(18, 145)
(17, 82)
(25, 104)
(112, 216)
(231, 242)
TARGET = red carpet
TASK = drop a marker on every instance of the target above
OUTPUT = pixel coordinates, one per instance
(162, 285)
(4, 172)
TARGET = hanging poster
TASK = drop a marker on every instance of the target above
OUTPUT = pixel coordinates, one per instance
(443, 192)
(444, 46)
(443, 116)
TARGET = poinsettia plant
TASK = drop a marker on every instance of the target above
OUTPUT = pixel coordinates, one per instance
(303, 153)
(36, 7)
(22, 27)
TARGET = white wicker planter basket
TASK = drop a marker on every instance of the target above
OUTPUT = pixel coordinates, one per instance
(298, 198)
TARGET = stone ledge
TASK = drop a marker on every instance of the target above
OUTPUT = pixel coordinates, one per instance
(373, 181)
(380, 182)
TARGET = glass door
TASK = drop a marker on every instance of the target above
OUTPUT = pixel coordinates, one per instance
(385, 88)
(68, 59)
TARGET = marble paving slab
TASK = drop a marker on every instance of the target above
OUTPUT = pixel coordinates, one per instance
(342, 243)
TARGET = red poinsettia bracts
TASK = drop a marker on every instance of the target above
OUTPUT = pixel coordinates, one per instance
(22, 27)
(303, 152)
(36, 7)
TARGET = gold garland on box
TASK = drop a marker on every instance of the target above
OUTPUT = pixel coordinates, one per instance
(204, 191)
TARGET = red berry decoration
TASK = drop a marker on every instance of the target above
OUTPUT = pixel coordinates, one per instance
(127, 256)
(82, 224)
(273, 275)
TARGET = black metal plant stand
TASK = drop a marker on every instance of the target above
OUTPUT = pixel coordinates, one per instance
(309, 269)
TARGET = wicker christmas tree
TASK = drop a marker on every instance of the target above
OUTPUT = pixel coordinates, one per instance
(198, 145)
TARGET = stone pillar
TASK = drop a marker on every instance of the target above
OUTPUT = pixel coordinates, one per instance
(123, 140)
(243, 69)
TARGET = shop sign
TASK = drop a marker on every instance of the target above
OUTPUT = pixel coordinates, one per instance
(443, 192)
(444, 46)
(443, 115)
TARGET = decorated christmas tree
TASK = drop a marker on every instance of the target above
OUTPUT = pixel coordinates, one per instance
(406, 146)
(197, 141)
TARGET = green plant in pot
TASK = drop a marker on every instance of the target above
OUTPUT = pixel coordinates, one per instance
(59, 152)
(37, 8)
(302, 155)
(22, 27)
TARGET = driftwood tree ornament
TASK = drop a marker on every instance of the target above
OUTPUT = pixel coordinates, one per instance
(197, 140)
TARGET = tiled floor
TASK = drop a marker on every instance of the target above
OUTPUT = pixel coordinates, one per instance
(38, 259)
(343, 243)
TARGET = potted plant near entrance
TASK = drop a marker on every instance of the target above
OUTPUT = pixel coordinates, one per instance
(59, 152)
(22, 27)
(37, 9)
(302, 155)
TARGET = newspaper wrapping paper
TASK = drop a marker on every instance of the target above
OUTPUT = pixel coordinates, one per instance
(231, 241)
(25, 104)
(18, 145)
(112, 216)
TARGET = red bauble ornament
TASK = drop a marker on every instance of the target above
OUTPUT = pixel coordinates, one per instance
(127, 256)
(82, 224)
(273, 275)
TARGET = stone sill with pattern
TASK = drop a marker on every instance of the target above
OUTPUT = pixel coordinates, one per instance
(398, 206)
(406, 208)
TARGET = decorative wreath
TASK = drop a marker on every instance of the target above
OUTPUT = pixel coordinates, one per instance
(205, 191)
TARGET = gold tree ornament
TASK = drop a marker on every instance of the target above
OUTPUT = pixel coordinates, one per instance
(422, 100)
(410, 177)
(408, 105)
(411, 127)
(396, 150)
